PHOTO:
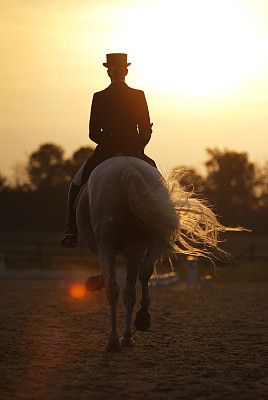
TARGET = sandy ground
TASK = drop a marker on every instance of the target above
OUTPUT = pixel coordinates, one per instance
(202, 344)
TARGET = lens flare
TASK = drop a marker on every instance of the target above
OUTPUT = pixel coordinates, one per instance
(77, 291)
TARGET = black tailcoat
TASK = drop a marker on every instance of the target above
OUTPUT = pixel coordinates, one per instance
(119, 120)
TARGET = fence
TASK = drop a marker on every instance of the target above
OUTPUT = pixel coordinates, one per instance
(42, 251)
(45, 255)
(253, 253)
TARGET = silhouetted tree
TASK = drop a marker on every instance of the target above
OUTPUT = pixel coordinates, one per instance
(77, 159)
(231, 185)
(46, 168)
(262, 185)
(41, 204)
(19, 179)
(3, 181)
(261, 215)
(237, 188)
(81, 155)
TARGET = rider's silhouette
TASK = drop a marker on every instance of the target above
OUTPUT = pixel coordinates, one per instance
(119, 124)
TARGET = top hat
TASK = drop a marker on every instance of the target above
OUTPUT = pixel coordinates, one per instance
(116, 60)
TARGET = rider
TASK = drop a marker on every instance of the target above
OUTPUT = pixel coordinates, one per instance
(119, 124)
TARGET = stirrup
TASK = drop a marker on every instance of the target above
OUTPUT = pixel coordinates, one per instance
(69, 240)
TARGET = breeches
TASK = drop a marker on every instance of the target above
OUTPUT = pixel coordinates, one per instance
(77, 180)
(84, 172)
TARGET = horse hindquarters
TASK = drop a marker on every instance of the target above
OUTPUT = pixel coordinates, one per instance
(152, 207)
(150, 203)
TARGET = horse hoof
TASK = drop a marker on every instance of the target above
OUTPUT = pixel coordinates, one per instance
(95, 282)
(127, 342)
(142, 320)
(113, 346)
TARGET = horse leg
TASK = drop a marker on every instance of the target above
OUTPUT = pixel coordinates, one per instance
(129, 297)
(143, 316)
(107, 261)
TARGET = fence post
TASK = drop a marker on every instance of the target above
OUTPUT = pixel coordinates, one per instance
(192, 271)
(252, 252)
(2, 262)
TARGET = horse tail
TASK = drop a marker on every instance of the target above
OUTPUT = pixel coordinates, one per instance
(153, 208)
(199, 228)
(177, 221)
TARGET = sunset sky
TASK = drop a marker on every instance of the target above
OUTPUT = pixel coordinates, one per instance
(203, 65)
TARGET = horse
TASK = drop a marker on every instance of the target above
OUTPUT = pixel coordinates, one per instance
(127, 208)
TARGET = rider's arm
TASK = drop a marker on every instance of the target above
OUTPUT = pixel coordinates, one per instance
(95, 131)
(144, 125)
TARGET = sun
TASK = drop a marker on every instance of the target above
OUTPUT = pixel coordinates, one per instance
(193, 47)
(77, 291)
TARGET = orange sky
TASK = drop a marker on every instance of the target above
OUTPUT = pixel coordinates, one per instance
(202, 64)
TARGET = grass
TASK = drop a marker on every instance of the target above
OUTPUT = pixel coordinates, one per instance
(47, 261)
(241, 272)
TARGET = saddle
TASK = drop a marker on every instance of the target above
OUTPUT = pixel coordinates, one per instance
(97, 158)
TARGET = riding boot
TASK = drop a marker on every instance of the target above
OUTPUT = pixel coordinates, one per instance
(69, 238)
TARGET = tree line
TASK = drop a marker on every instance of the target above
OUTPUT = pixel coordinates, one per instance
(236, 188)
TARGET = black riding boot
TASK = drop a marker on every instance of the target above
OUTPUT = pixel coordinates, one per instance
(69, 238)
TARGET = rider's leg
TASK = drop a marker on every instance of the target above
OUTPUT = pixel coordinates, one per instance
(69, 238)
(89, 165)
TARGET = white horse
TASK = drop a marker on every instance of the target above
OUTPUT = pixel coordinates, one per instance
(127, 208)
